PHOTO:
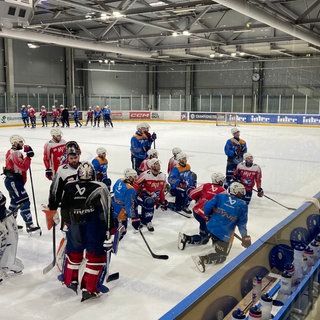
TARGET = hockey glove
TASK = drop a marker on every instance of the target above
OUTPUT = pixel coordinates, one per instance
(246, 241)
(260, 192)
(49, 174)
(136, 223)
(28, 150)
(52, 218)
(154, 136)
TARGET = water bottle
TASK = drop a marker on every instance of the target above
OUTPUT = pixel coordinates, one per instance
(256, 288)
(266, 306)
(286, 281)
(316, 249)
(238, 315)
(309, 254)
(298, 263)
(254, 313)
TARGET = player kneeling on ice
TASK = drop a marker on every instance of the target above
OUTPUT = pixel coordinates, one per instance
(201, 195)
(150, 186)
(224, 213)
(85, 206)
(9, 263)
(182, 180)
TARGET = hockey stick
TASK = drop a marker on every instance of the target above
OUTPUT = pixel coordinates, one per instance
(156, 256)
(53, 263)
(113, 276)
(276, 201)
(34, 200)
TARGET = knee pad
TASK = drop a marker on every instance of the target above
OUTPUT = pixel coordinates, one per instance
(71, 268)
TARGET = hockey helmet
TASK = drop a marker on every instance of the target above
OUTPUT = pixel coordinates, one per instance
(86, 171)
(218, 178)
(141, 125)
(181, 155)
(152, 162)
(237, 187)
(101, 150)
(56, 132)
(176, 150)
(130, 173)
(16, 139)
(235, 130)
(72, 147)
(53, 107)
(152, 153)
(247, 157)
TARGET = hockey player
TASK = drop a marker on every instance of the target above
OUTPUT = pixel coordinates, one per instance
(100, 164)
(139, 146)
(53, 151)
(8, 242)
(76, 116)
(107, 116)
(86, 205)
(24, 116)
(249, 174)
(64, 116)
(151, 137)
(64, 174)
(55, 117)
(152, 153)
(181, 180)
(32, 116)
(16, 177)
(150, 187)
(201, 195)
(224, 213)
(123, 200)
(234, 149)
(89, 116)
(97, 116)
(43, 116)
(173, 160)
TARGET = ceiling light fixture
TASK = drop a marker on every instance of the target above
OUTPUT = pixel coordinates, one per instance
(33, 45)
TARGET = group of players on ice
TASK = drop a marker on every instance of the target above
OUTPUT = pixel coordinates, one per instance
(94, 218)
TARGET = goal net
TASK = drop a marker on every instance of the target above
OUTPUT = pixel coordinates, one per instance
(226, 119)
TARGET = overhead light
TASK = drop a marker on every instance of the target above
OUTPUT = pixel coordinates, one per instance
(104, 16)
(212, 55)
(106, 61)
(186, 33)
(175, 33)
(100, 60)
(33, 45)
(117, 14)
(233, 54)
(158, 4)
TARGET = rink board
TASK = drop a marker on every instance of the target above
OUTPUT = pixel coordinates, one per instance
(227, 281)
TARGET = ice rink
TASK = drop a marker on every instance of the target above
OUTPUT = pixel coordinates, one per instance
(148, 288)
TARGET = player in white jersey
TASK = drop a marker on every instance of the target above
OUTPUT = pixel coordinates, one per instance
(150, 186)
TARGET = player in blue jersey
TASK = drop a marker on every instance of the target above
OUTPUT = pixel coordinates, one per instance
(97, 116)
(234, 149)
(100, 164)
(225, 212)
(123, 200)
(182, 180)
(106, 112)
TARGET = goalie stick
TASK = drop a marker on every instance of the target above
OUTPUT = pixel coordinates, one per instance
(53, 263)
(156, 256)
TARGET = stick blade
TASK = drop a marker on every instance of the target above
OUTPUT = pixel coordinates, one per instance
(161, 256)
(48, 268)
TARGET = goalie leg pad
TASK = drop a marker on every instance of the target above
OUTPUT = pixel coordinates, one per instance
(71, 268)
(93, 271)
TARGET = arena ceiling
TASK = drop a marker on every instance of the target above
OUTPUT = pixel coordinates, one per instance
(174, 31)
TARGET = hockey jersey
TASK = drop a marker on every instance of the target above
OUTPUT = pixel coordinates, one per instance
(52, 154)
(225, 213)
(153, 185)
(144, 165)
(234, 150)
(139, 145)
(16, 163)
(181, 177)
(171, 164)
(202, 194)
(248, 176)
(100, 167)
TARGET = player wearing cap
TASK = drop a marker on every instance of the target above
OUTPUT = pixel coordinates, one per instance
(234, 149)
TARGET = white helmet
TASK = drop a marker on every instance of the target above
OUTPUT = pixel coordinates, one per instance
(16, 139)
(152, 162)
(101, 150)
(247, 155)
(86, 171)
(56, 132)
(152, 153)
(176, 150)
(218, 178)
(237, 187)
(142, 125)
(146, 125)
(181, 155)
(234, 130)
(130, 173)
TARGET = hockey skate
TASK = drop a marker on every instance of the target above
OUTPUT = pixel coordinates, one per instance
(199, 262)
(73, 286)
(172, 207)
(150, 227)
(14, 269)
(32, 229)
(182, 240)
(187, 210)
(88, 295)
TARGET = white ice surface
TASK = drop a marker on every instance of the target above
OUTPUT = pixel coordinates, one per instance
(148, 288)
